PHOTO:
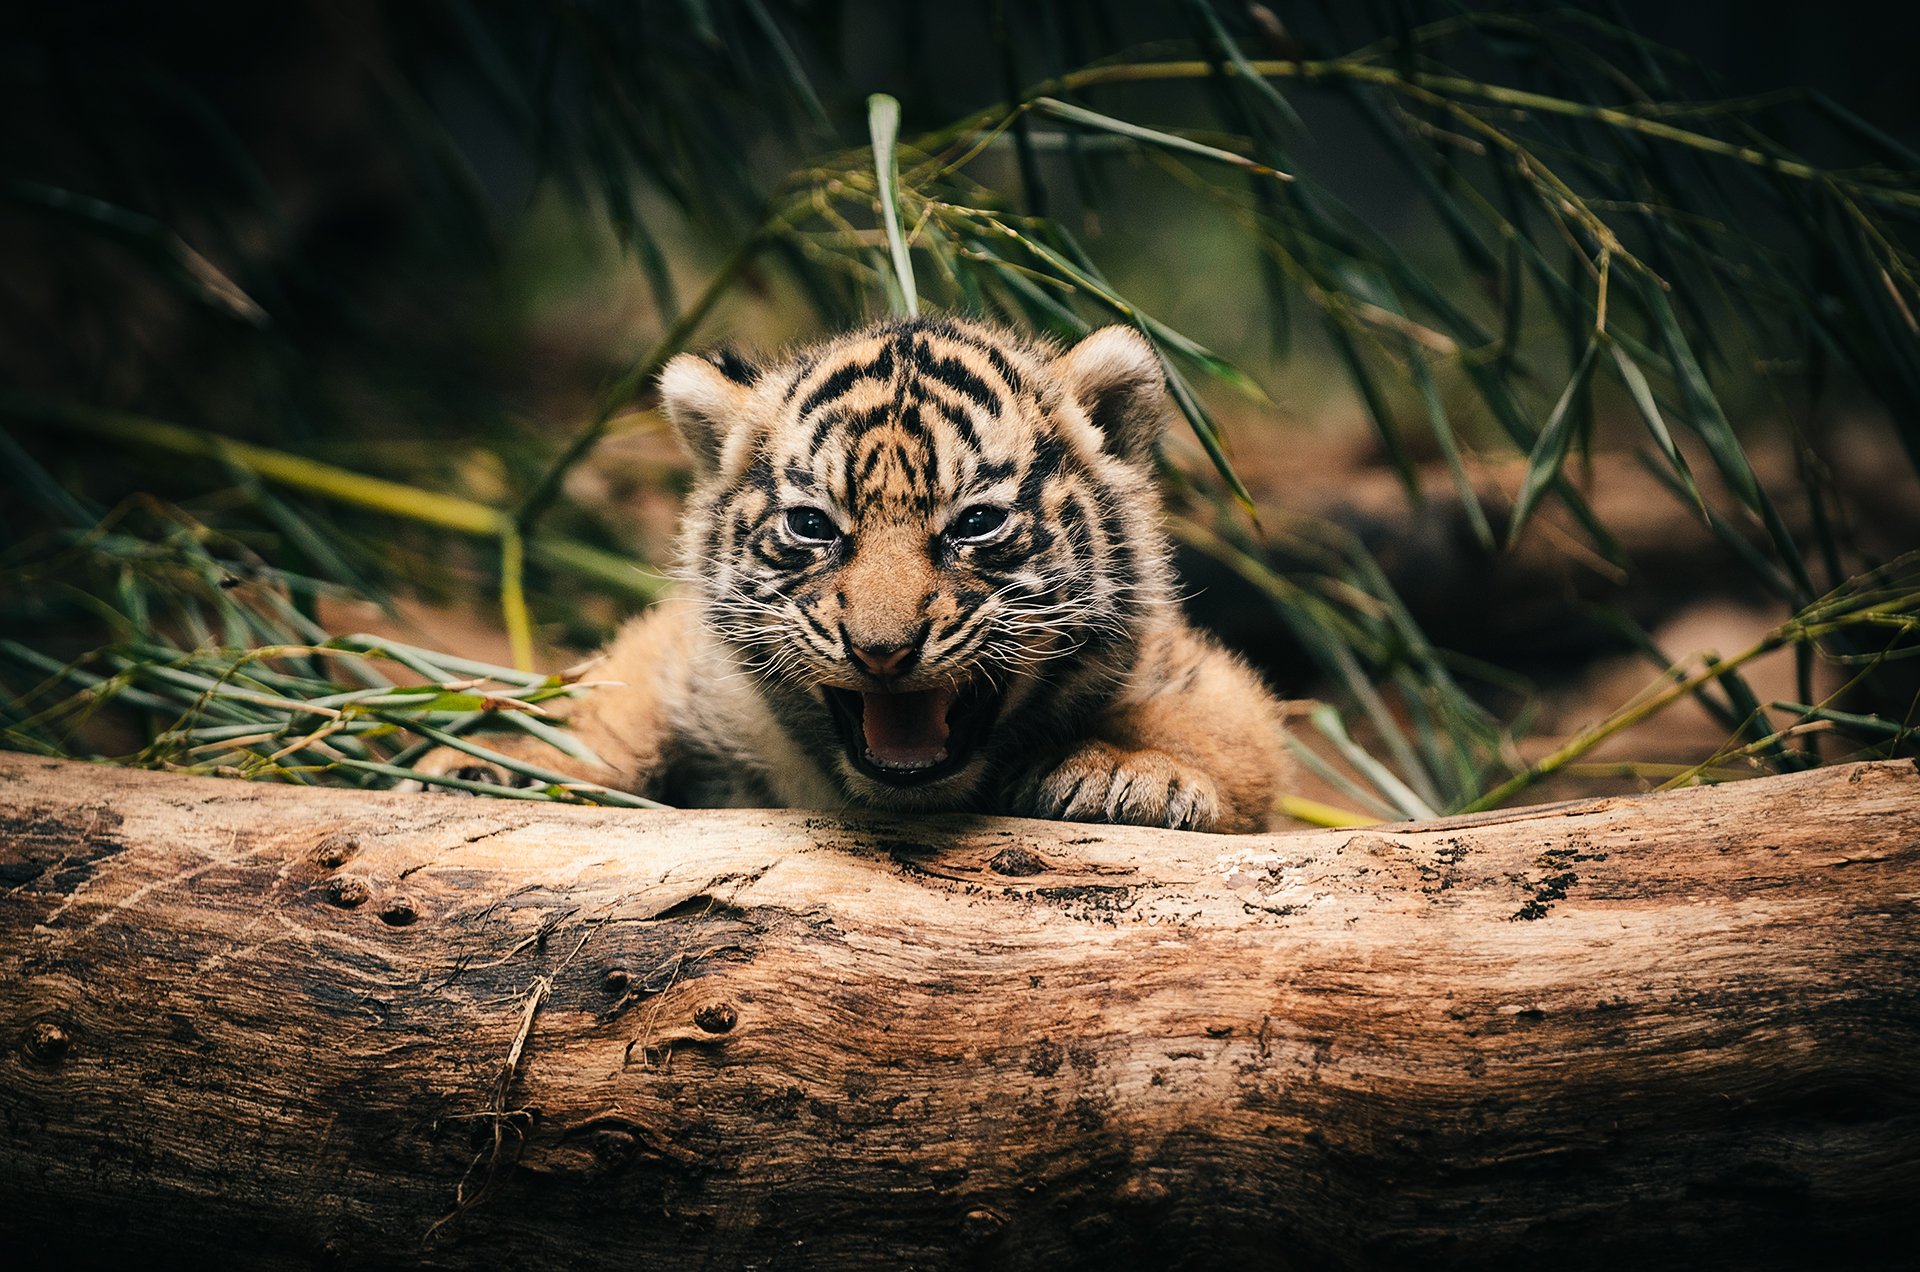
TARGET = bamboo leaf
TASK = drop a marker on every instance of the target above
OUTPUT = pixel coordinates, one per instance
(1642, 394)
(1338, 780)
(1711, 423)
(1167, 141)
(1328, 724)
(1872, 725)
(883, 123)
(1543, 465)
(1449, 445)
(1377, 409)
(1204, 428)
(796, 74)
(146, 237)
(1255, 82)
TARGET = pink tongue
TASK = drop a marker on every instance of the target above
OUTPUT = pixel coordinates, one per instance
(906, 730)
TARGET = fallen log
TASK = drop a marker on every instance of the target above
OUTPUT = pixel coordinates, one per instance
(299, 1027)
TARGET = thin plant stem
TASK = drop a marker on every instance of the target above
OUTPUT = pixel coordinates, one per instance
(1315, 813)
(1388, 77)
(341, 485)
(622, 391)
(1804, 627)
(513, 598)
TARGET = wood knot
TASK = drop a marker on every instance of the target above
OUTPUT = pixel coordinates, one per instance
(617, 980)
(347, 892)
(981, 1226)
(613, 1147)
(1018, 862)
(399, 911)
(335, 850)
(1141, 1191)
(47, 1042)
(594, 1149)
(716, 1018)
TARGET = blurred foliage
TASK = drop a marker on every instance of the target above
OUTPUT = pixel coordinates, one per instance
(250, 263)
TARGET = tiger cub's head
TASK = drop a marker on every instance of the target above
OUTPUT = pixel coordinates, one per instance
(930, 543)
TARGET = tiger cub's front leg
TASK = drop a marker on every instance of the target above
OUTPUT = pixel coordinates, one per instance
(1193, 743)
(1100, 782)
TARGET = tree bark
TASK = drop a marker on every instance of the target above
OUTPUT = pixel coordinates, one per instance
(313, 1027)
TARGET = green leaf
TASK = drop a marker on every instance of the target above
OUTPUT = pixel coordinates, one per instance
(1376, 403)
(1642, 394)
(883, 124)
(1543, 465)
(1168, 141)
(1710, 422)
(1329, 725)
(145, 237)
(1873, 725)
(1754, 725)
(1449, 444)
(790, 64)
(1349, 788)
(1204, 428)
(1248, 75)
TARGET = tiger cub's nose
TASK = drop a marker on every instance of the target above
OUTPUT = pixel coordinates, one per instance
(886, 660)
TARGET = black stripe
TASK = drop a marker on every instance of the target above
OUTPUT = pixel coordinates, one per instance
(759, 475)
(1038, 538)
(770, 551)
(1120, 544)
(832, 387)
(1074, 523)
(800, 374)
(733, 366)
(858, 426)
(998, 361)
(1047, 455)
(844, 378)
(959, 422)
(818, 437)
(819, 628)
(955, 375)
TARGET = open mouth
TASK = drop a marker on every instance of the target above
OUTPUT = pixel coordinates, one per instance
(910, 739)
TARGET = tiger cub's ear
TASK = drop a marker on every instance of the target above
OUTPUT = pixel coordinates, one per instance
(1115, 376)
(705, 396)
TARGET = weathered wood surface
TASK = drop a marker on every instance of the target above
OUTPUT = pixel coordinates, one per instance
(286, 1025)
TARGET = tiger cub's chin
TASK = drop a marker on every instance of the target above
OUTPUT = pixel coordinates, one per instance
(928, 573)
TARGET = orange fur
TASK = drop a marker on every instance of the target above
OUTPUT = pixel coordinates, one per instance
(933, 513)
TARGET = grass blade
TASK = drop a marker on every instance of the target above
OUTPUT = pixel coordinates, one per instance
(1168, 141)
(1642, 394)
(1326, 721)
(883, 124)
(1543, 465)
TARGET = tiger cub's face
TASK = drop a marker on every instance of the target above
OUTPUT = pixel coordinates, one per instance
(930, 543)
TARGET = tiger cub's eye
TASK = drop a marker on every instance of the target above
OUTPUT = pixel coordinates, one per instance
(811, 525)
(978, 522)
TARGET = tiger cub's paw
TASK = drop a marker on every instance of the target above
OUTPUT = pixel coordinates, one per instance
(1100, 782)
(449, 762)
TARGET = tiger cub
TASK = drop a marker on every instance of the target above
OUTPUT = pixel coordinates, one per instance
(925, 572)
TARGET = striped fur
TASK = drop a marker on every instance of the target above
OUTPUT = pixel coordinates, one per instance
(846, 516)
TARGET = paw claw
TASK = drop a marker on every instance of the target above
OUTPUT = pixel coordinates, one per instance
(1102, 783)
